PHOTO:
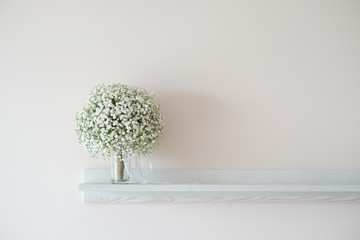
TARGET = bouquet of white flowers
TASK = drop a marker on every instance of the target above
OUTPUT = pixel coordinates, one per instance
(119, 119)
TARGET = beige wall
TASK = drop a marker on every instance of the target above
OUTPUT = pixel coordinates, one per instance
(243, 85)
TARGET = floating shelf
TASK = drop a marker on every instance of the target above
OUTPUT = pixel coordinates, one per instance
(186, 186)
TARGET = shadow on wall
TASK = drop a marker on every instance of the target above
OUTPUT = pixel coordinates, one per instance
(201, 131)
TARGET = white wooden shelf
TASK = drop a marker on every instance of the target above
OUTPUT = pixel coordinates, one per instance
(186, 186)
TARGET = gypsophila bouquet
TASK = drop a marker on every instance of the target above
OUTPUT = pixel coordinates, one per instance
(119, 119)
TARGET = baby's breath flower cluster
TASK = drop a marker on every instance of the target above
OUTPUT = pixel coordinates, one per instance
(119, 119)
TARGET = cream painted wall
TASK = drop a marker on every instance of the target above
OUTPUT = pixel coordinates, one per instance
(243, 85)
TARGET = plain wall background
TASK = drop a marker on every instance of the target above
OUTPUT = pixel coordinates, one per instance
(242, 84)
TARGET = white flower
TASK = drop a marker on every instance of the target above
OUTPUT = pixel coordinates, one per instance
(119, 118)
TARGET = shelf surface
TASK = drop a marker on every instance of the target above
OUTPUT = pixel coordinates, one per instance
(186, 186)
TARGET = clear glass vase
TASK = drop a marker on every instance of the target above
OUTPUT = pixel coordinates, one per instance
(119, 173)
(131, 169)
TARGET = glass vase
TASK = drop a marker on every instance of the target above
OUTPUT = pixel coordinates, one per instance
(131, 169)
(119, 173)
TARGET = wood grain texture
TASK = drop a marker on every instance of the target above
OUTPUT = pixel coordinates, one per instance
(187, 186)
